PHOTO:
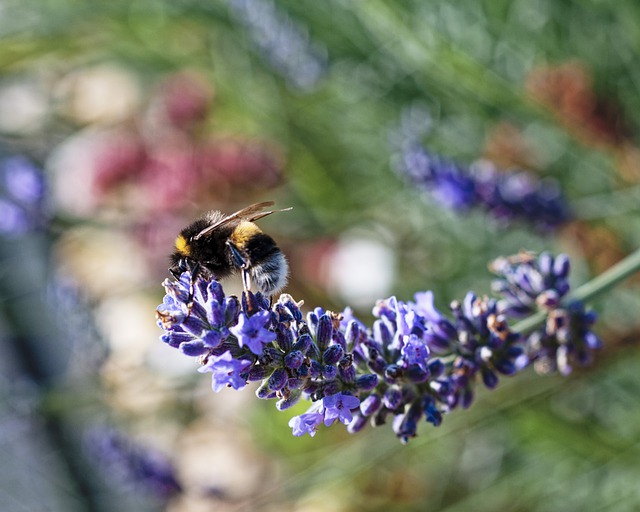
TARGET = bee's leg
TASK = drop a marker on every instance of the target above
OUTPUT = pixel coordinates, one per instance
(241, 262)
(195, 271)
(238, 257)
(246, 281)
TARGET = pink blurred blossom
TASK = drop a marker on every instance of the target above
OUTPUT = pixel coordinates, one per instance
(119, 157)
(170, 179)
(187, 98)
(159, 163)
(240, 162)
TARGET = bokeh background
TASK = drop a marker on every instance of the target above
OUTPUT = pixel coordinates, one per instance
(121, 121)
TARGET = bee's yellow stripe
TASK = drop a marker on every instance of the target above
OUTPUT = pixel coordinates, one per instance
(182, 246)
(243, 233)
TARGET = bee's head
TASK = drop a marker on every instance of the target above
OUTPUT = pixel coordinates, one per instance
(180, 259)
(182, 262)
(179, 264)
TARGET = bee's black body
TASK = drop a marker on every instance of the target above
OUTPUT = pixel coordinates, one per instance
(217, 246)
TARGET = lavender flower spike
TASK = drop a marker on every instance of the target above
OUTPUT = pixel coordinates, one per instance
(414, 364)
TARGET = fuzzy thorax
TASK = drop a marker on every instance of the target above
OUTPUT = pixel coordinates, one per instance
(243, 233)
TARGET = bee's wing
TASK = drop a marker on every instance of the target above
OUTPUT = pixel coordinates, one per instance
(250, 213)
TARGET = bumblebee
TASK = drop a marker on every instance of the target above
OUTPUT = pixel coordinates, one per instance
(217, 246)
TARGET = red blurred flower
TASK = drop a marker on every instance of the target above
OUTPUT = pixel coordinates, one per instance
(187, 98)
(163, 164)
(240, 162)
(170, 179)
(120, 157)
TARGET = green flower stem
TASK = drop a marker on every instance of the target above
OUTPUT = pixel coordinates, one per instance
(588, 291)
(609, 278)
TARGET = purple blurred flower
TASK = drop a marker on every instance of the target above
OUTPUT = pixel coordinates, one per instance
(131, 464)
(565, 340)
(528, 282)
(23, 180)
(13, 218)
(22, 194)
(284, 43)
(508, 196)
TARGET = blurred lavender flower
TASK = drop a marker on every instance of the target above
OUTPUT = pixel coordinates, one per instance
(73, 316)
(529, 283)
(132, 465)
(565, 340)
(507, 196)
(414, 363)
(284, 43)
(22, 193)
